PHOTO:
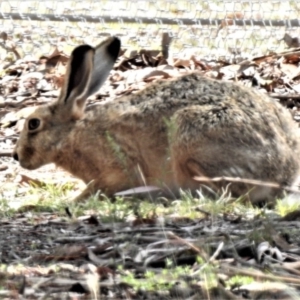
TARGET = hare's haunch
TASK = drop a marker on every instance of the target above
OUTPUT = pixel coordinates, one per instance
(164, 135)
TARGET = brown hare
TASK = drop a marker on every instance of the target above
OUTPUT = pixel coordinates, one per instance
(164, 135)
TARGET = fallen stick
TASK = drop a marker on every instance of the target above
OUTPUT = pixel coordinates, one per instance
(6, 153)
(203, 179)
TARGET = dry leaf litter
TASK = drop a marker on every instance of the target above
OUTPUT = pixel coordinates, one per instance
(47, 256)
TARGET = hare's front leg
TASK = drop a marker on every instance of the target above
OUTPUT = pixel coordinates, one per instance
(114, 180)
(90, 190)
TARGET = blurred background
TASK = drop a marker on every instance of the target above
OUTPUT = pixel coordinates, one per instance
(212, 29)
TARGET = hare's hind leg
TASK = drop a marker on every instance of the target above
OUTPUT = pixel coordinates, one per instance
(188, 148)
(220, 141)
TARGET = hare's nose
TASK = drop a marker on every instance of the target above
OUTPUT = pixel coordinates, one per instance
(15, 156)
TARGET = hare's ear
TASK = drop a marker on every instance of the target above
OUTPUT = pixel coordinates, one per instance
(87, 70)
(105, 57)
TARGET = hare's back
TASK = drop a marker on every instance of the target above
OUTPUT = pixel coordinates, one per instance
(165, 98)
(221, 128)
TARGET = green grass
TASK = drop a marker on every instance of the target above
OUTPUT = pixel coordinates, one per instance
(283, 207)
(239, 280)
(171, 275)
(152, 281)
(56, 197)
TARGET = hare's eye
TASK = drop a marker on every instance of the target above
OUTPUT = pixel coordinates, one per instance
(33, 124)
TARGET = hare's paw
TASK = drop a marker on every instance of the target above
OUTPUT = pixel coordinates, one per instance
(89, 191)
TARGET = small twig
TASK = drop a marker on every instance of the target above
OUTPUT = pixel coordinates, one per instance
(11, 48)
(258, 275)
(280, 54)
(287, 53)
(217, 252)
(11, 103)
(166, 43)
(246, 181)
(288, 269)
(284, 97)
(17, 104)
(7, 153)
(76, 239)
(201, 252)
(211, 259)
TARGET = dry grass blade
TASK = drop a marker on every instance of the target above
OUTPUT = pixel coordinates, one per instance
(258, 275)
(198, 250)
(252, 182)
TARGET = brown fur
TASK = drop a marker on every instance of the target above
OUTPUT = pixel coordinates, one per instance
(166, 134)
